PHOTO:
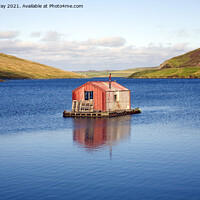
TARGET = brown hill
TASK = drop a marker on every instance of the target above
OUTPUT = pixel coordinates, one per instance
(183, 66)
(190, 59)
(12, 67)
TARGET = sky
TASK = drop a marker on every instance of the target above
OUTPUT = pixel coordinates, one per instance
(103, 35)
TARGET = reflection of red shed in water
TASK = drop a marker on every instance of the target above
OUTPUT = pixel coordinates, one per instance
(95, 133)
(101, 96)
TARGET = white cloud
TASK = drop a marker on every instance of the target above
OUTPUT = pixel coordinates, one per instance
(36, 34)
(52, 36)
(8, 34)
(107, 41)
(180, 46)
(85, 55)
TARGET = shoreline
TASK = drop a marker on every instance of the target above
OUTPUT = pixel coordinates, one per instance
(2, 80)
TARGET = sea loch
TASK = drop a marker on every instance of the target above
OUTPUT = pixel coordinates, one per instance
(153, 155)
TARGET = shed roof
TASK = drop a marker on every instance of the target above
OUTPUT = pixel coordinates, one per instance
(104, 85)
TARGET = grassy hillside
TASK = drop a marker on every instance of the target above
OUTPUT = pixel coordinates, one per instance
(185, 72)
(184, 66)
(16, 68)
(105, 73)
(190, 59)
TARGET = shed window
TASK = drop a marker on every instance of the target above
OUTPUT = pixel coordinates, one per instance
(115, 97)
(91, 94)
(88, 95)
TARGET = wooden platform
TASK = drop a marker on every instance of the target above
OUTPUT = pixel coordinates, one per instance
(101, 114)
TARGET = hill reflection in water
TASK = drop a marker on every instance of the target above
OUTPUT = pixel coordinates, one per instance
(96, 133)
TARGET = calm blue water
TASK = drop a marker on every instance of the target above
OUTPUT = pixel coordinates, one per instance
(153, 155)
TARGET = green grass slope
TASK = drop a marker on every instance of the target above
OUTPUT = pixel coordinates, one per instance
(185, 72)
(190, 59)
(183, 66)
(12, 67)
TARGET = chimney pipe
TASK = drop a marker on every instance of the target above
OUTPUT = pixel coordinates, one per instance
(110, 81)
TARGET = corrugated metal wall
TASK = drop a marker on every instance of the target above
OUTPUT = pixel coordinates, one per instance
(98, 95)
(122, 101)
(104, 100)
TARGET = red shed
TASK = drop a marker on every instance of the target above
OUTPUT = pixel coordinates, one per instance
(101, 96)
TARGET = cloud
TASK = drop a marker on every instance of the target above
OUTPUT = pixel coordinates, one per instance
(107, 41)
(180, 46)
(85, 55)
(8, 34)
(36, 34)
(52, 36)
(18, 47)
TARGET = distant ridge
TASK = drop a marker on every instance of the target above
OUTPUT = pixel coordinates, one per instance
(183, 66)
(115, 73)
(12, 67)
